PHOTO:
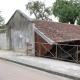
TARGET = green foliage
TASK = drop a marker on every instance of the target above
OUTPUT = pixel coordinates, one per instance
(39, 10)
(67, 10)
(78, 20)
(2, 25)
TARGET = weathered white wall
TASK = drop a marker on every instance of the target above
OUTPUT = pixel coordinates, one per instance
(20, 31)
(3, 41)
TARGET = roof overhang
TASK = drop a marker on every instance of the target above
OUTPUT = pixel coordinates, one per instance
(44, 37)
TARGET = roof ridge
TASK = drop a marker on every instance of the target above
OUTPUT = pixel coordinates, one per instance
(21, 14)
(24, 14)
(57, 22)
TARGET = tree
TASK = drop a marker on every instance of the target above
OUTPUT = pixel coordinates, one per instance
(78, 20)
(67, 10)
(39, 10)
(2, 25)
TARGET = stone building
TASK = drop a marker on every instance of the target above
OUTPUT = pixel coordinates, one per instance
(20, 32)
(43, 38)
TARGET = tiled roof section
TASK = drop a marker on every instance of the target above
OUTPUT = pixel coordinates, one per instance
(58, 32)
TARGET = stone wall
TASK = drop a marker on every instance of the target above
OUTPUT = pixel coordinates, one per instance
(2, 39)
(19, 32)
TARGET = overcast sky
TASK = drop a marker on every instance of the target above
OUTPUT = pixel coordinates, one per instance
(8, 7)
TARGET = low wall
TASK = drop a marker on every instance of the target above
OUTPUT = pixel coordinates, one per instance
(3, 39)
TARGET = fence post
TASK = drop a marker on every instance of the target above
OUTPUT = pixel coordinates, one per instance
(56, 51)
(77, 55)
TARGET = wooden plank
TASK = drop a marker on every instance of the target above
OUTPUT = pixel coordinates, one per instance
(40, 49)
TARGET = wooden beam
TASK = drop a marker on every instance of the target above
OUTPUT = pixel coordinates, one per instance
(39, 50)
(67, 53)
(48, 51)
(56, 52)
(77, 55)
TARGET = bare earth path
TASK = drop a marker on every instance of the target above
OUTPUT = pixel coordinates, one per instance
(12, 71)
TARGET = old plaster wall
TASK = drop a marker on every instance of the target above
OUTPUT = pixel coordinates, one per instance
(3, 39)
(19, 32)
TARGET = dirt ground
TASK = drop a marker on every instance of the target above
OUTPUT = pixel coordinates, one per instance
(6, 52)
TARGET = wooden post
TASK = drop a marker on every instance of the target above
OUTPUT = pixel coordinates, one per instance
(27, 49)
(39, 49)
(56, 51)
(77, 55)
